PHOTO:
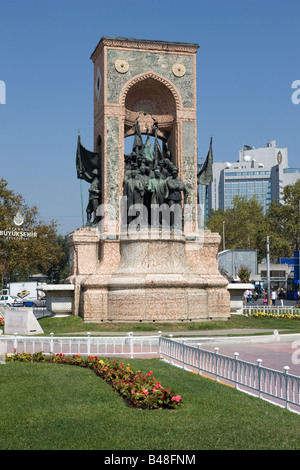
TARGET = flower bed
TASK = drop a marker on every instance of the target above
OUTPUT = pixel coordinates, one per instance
(287, 316)
(138, 389)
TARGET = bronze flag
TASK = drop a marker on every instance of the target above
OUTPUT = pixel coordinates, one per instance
(86, 163)
(205, 175)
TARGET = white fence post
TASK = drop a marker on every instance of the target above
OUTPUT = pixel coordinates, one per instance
(15, 342)
(51, 343)
(159, 344)
(199, 367)
(236, 357)
(217, 364)
(286, 370)
(259, 361)
(183, 354)
(131, 343)
(171, 349)
(88, 343)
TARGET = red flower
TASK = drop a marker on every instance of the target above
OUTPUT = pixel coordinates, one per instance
(176, 398)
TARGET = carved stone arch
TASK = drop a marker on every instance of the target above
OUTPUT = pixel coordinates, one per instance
(150, 97)
(154, 76)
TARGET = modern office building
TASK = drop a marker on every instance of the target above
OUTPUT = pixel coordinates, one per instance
(261, 172)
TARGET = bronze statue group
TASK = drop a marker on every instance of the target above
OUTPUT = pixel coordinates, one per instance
(152, 189)
(151, 185)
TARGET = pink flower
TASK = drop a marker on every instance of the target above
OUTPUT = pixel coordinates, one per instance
(176, 398)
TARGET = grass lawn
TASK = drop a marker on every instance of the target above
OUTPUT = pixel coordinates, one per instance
(71, 325)
(51, 406)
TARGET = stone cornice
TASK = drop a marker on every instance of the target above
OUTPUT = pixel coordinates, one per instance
(145, 44)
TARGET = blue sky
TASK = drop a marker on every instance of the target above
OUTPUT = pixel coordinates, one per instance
(246, 63)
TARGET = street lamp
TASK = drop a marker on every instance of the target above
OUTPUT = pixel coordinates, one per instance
(224, 235)
(268, 269)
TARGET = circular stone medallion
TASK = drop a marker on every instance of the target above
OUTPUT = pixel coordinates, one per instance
(121, 66)
(179, 70)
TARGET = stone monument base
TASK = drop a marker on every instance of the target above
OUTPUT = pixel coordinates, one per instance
(147, 277)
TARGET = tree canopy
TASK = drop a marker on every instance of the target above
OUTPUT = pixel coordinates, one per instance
(245, 225)
(285, 218)
(27, 246)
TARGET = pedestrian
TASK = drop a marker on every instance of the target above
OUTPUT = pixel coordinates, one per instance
(274, 297)
(281, 296)
(250, 296)
(246, 295)
(298, 297)
(265, 301)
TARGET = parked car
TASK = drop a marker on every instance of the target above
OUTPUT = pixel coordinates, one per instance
(11, 301)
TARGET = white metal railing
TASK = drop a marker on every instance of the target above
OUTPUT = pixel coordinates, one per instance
(245, 376)
(128, 345)
(277, 310)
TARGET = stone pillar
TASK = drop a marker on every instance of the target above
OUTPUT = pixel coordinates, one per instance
(84, 259)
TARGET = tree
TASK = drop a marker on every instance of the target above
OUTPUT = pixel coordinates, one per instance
(21, 253)
(246, 226)
(244, 274)
(285, 221)
(60, 271)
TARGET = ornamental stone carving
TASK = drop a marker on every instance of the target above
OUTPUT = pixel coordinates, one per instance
(154, 76)
(121, 66)
(179, 70)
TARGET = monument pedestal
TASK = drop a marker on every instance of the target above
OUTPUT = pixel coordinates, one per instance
(147, 276)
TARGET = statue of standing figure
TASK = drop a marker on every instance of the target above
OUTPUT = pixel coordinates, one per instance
(158, 189)
(134, 191)
(175, 189)
(94, 197)
(88, 166)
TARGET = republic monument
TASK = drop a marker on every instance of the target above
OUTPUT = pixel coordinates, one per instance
(144, 254)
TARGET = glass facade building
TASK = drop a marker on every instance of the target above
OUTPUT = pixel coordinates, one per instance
(247, 184)
(260, 173)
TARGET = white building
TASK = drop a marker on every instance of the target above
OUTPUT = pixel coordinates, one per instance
(261, 172)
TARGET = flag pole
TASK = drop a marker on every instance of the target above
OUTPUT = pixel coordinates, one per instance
(81, 195)
(205, 178)
(205, 205)
(82, 211)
